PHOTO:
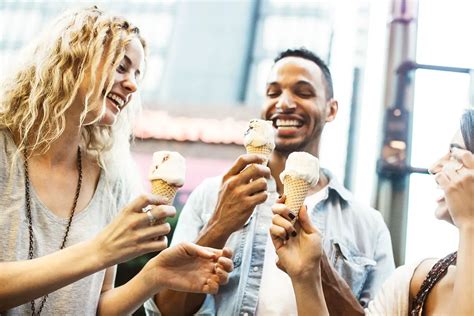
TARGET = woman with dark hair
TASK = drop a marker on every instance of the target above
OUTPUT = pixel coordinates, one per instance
(430, 287)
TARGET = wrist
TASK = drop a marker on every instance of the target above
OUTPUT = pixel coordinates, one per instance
(100, 257)
(307, 278)
(151, 277)
(214, 234)
(466, 229)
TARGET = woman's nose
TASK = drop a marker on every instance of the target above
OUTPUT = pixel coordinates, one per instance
(130, 84)
(438, 165)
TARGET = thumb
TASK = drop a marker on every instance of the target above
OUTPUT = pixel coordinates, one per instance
(305, 221)
(194, 250)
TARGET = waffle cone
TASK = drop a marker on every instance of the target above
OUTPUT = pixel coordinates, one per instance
(295, 190)
(164, 189)
(261, 150)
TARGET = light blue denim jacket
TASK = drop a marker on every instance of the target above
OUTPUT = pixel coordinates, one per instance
(356, 240)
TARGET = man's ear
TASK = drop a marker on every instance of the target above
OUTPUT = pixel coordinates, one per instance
(331, 110)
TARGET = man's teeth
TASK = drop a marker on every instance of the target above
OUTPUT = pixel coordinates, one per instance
(288, 123)
(118, 100)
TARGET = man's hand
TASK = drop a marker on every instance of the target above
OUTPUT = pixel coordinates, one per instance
(243, 187)
(191, 268)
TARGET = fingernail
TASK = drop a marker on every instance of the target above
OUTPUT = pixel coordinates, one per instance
(293, 234)
(291, 216)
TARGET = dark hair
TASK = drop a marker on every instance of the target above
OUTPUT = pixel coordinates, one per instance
(309, 55)
(467, 129)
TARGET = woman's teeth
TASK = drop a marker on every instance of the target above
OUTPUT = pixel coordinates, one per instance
(117, 100)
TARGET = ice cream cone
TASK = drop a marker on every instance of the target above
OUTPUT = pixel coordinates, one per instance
(164, 189)
(167, 174)
(295, 190)
(261, 150)
(300, 174)
(260, 138)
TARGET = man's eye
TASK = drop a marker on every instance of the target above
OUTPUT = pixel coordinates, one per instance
(272, 94)
(304, 94)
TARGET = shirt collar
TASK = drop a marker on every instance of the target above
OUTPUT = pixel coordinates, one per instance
(336, 186)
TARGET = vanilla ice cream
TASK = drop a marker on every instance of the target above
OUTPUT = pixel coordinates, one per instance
(260, 133)
(301, 165)
(168, 166)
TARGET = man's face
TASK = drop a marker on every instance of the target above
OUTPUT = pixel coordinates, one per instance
(297, 104)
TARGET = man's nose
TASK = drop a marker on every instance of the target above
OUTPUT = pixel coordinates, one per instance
(285, 103)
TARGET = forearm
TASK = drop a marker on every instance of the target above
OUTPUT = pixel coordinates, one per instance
(309, 297)
(463, 290)
(180, 303)
(22, 281)
(129, 297)
(338, 295)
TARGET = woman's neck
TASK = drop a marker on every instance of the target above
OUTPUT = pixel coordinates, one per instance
(62, 151)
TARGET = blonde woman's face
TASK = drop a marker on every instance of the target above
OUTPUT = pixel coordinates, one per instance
(127, 78)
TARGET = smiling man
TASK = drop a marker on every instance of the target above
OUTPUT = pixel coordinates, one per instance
(236, 210)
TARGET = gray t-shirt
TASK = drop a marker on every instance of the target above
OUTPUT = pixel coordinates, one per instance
(81, 297)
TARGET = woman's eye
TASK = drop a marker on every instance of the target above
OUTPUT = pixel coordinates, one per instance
(121, 68)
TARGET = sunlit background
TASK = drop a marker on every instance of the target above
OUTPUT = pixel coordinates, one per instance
(207, 69)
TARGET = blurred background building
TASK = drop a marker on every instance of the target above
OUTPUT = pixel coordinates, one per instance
(401, 70)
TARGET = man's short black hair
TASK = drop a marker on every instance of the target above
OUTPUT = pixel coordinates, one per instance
(309, 55)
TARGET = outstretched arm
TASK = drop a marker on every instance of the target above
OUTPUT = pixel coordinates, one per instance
(128, 236)
(184, 267)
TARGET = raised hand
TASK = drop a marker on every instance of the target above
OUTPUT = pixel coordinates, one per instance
(299, 248)
(131, 234)
(191, 268)
(243, 188)
(457, 181)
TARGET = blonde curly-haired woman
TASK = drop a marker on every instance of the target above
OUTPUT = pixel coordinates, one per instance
(64, 132)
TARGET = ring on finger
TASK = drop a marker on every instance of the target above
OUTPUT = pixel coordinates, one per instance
(149, 214)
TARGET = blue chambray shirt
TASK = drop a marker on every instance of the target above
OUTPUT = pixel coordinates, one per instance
(356, 241)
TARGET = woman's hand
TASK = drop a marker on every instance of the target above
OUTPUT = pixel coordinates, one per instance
(457, 181)
(299, 249)
(191, 268)
(131, 233)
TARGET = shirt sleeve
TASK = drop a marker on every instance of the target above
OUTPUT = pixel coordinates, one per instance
(190, 221)
(385, 264)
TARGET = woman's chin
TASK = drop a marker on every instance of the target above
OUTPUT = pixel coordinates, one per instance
(108, 119)
(442, 213)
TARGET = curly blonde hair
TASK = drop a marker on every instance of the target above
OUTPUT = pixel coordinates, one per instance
(35, 98)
